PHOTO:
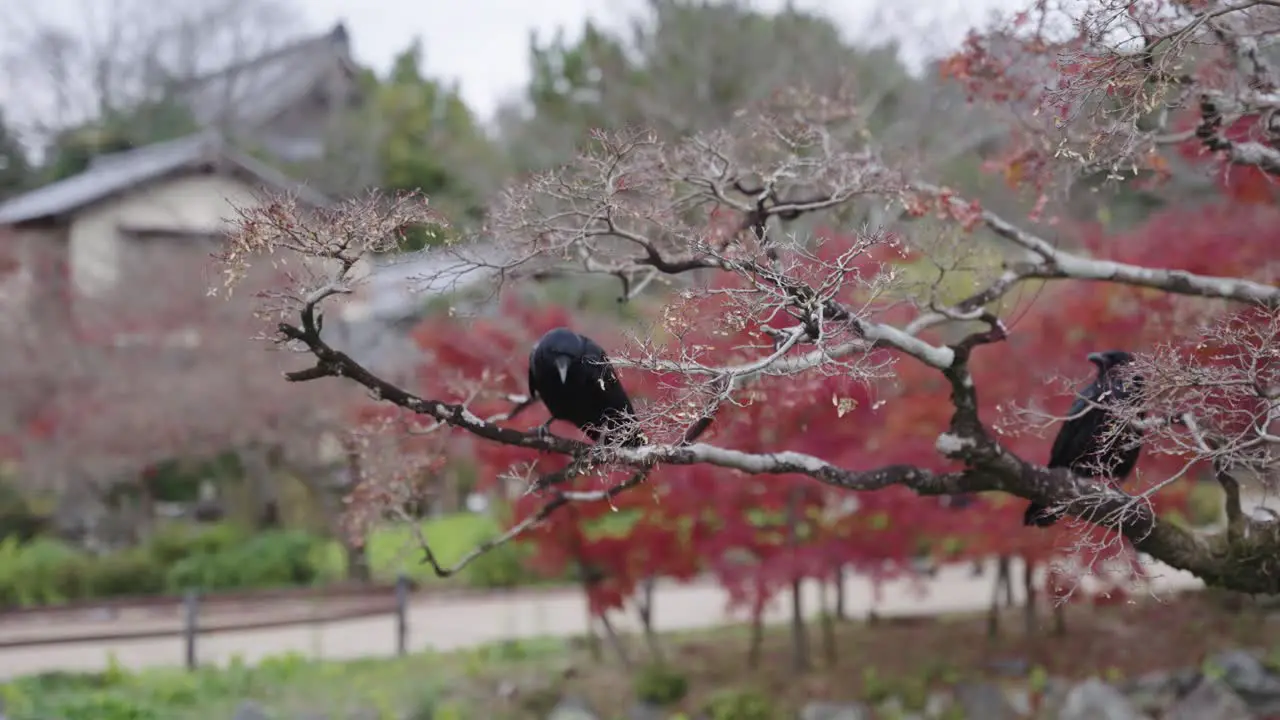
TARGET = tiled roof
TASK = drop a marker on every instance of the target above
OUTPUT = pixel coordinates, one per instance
(258, 89)
(111, 174)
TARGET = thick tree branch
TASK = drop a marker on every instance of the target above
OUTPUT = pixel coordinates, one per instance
(1053, 263)
(1253, 154)
(1245, 559)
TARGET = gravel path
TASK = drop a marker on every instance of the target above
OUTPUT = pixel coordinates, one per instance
(457, 622)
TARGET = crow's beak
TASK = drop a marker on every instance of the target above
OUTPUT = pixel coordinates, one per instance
(562, 364)
(1097, 359)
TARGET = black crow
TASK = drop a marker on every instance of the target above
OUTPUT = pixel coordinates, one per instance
(573, 377)
(1083, 444)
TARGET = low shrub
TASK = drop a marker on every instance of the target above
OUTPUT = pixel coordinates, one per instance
(278, 558)
(661, 685)
(742, 704)
(41, 572)
(174, 542)
(125, 573)
(505, 566)
(46, 571)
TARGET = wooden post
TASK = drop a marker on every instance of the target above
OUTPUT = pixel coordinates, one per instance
(191, 627)
(402, 614)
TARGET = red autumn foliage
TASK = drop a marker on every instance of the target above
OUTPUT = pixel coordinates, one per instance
(688, 520)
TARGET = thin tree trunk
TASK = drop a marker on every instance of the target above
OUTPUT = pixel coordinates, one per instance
(1028, 586)
(1004, 579)
(644, 606)
(1009, 600)
(614, 640)
(1059, 606)
(357, 557)
(757, 636)
(828, 628)
(593, 640)
(799, 638)
(841, 611)
(1003, 582)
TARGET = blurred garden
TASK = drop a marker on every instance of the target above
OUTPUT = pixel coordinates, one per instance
(852, 298)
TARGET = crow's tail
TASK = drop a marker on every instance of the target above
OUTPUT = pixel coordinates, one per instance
(1038, 515)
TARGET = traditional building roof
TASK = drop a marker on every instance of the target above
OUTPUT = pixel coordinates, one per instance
(116, 173)
(259, 89)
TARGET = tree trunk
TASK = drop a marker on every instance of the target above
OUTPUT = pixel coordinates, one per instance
(841, 611)
(1059, 605)
(1004, 581)
(799, 638)
(593, 640)
(828, 622)
(644, 605)
(1029, 587)
(757, 636)
(357, 555)
(614, 640)
(259, 486)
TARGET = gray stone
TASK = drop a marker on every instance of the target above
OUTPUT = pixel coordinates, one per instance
(1010, 667)
(1153, 692)
(1210, 700)
(572, 708)
(1245, 673)
(1096, 700)
(984, 700)
(1019, 699)
(646, 711)
(937, 704)
(250, 710)
(835, 711)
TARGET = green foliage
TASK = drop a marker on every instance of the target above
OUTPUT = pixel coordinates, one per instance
(428, 141)
(393, 549)
(661, 685)
(875, 689)
(117, 694)
(742, 704)
(175, 542)
(685, 67)
(279, 558)
(179, 480)
(73, 151)
(1205, 504)
(17, 518)
(16, 173)
(219, 557)
(40, 572)
(127, 573)
(506, 566)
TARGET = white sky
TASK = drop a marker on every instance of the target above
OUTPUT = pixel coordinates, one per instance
(484, 43)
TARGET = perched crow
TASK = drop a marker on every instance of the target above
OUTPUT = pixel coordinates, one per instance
(1083, 444)
(573, 377)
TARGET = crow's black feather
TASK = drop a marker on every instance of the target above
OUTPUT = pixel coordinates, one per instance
(589, 394)
(1084, 444)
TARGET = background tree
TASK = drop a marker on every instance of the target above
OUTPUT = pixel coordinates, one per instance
(428, 141)
(129, 54)
(758, 306)
(128, 360)
(15, 168)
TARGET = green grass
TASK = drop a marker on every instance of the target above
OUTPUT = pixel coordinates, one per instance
(393, 549)
(904, 659)
(287, 685)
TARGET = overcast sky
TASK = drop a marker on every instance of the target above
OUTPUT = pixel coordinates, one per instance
(484, 43)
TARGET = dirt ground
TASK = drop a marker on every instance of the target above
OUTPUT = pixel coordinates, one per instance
(910, 655)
